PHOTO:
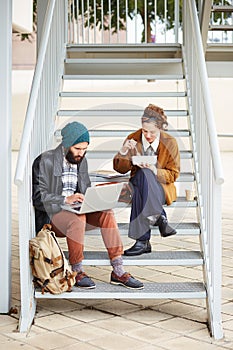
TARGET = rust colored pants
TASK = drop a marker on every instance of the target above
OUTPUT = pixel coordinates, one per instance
(73, 227)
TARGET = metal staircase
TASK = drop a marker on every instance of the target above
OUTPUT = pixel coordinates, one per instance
(107, 88)
(124, 64)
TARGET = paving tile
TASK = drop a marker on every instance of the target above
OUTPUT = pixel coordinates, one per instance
(228, 308)
(58, 305)
(227, 293)
(41, 312)
(228, 325)
(151, 335)
(176, 308)
(34, 331)
(15, 345)
(198, 316)
(196, 302)
(117, 324)
(4, 341)
(190, 273)
(203, 334)
(164, 277)
(167, 269)
(226, 317)
(143, 273)
(87, 315)
(55, 322)
(180, 325)
(85, 332)
(151, 347)
(147, 316)
(80, 346)
(227, 281)
(117, 307)
(116, 341)
(49, 341)
(6, 320)
(145, 303)
(181, 343)
(85, 303)
(227, 341)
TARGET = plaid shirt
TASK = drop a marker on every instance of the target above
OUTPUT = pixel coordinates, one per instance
(69, 178)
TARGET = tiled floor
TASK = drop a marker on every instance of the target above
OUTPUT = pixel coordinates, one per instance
(126, 324)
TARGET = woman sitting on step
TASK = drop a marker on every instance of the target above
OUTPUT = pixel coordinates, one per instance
(152, 184)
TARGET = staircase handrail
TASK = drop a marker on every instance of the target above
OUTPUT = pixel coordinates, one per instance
(37, 136)
(215, 152)
(32, 104)
(207, 160)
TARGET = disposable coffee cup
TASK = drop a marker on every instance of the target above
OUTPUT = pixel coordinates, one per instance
(189, 195)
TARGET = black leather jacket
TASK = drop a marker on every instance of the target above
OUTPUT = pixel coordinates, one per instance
(47, 184)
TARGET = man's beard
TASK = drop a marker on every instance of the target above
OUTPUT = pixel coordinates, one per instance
(73, 160)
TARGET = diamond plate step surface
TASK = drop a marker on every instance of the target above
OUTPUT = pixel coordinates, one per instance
(124, 133)
(188, 290)
(125, 94)
(115, 113)
(109, 154)
(159, 258)
(182, 228)
(180, 202)
(184, 177)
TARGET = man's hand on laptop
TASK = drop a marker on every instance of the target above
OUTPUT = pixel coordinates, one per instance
(74, 198)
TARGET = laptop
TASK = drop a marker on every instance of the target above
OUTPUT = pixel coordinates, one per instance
(97, 198)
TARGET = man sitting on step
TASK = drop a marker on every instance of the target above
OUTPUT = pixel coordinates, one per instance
(152, 184)
(61, 176)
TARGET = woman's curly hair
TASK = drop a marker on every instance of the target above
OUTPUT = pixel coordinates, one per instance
(155, 114)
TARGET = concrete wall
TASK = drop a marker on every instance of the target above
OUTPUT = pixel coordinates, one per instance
(221, 92)
(22, 13)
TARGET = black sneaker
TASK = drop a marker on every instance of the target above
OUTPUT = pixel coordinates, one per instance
(83, 281)
(126, 280)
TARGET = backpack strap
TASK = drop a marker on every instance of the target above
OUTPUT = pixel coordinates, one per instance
(69, 276)
(43, 286)
(56, 271)
(54, 260)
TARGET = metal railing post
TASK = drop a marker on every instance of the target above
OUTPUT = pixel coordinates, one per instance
(207, 161)
(5, 135)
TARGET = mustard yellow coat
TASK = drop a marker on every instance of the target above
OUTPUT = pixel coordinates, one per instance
(168, 162)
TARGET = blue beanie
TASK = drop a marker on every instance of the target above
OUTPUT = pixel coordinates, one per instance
(74, 133)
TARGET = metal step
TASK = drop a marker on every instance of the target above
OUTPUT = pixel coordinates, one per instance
(115, 61)
(126, 94)
(221, 27)
(222, 8)
(123, 68)
(94, 154)
(115, 113)
(183, 229)
(124, 133)
(184, 177)
(159, 258)
(180, 202)
(131, 51)
(183, 290)
(160, 75)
